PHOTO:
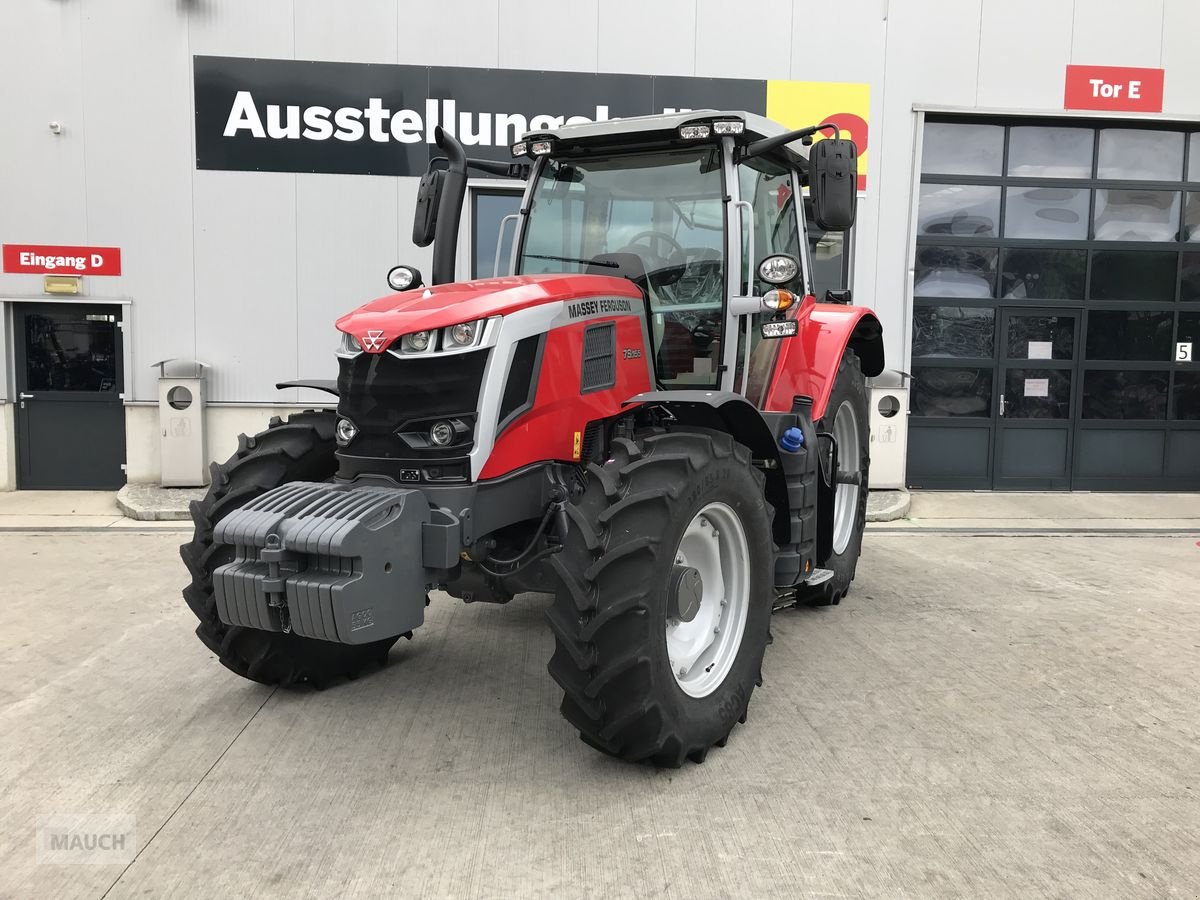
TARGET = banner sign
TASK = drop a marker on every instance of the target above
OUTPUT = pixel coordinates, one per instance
(1115, 88)
(279, 115)
(43, 259)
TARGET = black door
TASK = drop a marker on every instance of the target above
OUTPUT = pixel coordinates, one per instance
(70, 419)
(1039, 351)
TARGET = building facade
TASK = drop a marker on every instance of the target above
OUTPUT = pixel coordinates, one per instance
(1036, 264)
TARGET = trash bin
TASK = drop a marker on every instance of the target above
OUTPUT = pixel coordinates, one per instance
(181, 400)
(889, 436)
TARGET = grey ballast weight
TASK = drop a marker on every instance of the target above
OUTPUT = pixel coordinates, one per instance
(326, 561)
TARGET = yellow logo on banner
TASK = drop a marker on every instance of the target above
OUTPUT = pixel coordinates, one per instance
(796, 104)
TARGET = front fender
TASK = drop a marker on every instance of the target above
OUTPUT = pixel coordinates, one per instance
(807, 364)
(733, 414)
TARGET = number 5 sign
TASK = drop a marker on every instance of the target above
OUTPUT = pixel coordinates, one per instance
(1183, 352)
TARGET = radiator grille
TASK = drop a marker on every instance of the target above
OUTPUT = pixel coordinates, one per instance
(379, 393)
(599, 357)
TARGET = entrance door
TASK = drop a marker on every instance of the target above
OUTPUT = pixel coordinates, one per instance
(1039, 351)
(70, 419)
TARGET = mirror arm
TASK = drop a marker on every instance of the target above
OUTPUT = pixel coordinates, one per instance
(766, 145)
(502, 169)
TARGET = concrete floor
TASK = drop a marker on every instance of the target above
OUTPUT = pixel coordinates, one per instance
(985, 716)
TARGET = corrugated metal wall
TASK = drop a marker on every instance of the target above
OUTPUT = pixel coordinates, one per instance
(247, 271)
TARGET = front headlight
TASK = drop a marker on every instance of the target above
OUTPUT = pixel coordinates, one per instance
(417, 342)
(349, 343)
(464, 334)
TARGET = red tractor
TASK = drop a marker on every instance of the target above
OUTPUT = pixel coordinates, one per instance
(654, 420)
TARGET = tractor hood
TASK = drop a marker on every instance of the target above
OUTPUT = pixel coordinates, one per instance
(427, 309)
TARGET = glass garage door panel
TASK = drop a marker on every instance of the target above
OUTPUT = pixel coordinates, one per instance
(1056, 286)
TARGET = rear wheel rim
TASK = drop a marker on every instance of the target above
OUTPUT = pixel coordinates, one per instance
(849, 457)
(702, 651)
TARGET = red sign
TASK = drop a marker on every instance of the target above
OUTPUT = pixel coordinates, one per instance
(40, 259)
(1114, 88)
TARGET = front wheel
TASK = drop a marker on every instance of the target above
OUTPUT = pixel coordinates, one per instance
(662, 614)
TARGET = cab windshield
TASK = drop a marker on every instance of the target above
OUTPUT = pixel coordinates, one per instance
(655, 217)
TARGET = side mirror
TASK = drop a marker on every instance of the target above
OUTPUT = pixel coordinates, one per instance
(429, 195)
(833, 183)
(842, 296)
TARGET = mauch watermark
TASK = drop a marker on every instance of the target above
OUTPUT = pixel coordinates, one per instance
(87, 839)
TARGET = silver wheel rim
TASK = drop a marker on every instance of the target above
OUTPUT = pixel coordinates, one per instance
(845, 501)
(702, 651)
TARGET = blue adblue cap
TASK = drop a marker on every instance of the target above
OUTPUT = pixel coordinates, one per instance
(792, 440)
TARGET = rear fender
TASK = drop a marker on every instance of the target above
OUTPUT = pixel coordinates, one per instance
(808, 363)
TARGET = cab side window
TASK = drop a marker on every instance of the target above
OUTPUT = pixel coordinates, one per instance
(770, 189)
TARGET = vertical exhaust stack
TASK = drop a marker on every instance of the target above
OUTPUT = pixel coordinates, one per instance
(449, 211)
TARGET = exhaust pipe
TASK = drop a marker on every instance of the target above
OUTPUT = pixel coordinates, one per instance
(454, 191)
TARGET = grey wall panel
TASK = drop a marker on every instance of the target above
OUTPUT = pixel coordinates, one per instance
(364, 33)
(42, 178)
(535, 36)
(346, 241)
(237, 28)
(246, 282)
(1181, 24)
(914, 73)
(815, 57)
(1022, 64)
(822, 51)
(1117, 33)
(139, 174)
(663, 43)
(750, 39)
(456, 33)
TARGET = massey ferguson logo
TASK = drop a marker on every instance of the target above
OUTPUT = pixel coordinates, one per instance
(373, 341)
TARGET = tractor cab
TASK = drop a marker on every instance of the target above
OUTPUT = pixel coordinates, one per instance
(700, 210)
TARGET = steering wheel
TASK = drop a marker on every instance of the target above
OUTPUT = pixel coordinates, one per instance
(673, 262)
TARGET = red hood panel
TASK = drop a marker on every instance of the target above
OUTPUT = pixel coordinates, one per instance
(425, 309)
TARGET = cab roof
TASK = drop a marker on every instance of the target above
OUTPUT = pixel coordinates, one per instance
(663, 128)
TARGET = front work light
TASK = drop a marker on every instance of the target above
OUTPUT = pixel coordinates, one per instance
(728, 126)
(520, 148)
(694, 132)
(401, 278)
(778, 269)
(541, 148)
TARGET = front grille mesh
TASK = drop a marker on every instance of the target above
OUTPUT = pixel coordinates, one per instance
(380, 392)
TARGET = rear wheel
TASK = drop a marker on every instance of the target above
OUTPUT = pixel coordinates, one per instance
(298, 449)
(662, 617)
(846, 419)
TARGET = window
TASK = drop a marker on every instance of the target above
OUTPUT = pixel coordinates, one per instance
(656, 217)
(488, 210)
(963, 149)
(1128, 154)
(767, 185)
(1037, 151)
